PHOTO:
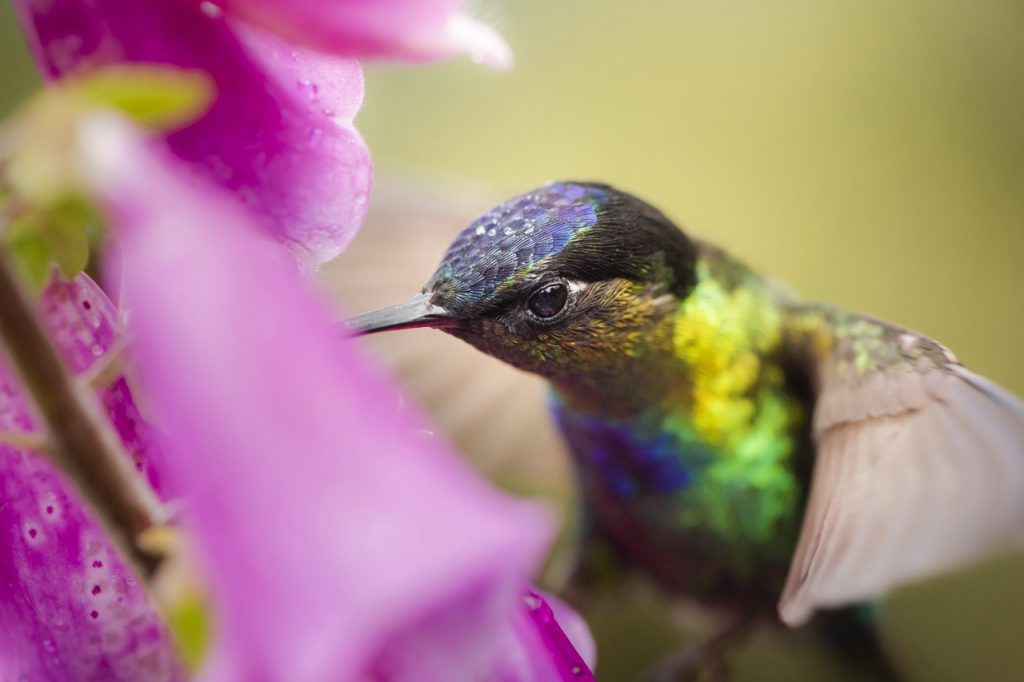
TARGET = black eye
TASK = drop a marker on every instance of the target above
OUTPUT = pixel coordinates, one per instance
(548, 301)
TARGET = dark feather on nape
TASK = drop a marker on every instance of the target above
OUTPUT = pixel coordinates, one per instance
(630, 239)
(578, 230)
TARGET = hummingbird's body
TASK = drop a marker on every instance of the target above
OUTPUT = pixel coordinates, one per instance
(742, 448)
(696, 463)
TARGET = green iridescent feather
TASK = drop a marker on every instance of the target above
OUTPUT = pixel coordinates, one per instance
(711, 456)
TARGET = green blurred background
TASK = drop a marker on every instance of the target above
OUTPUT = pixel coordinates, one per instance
(867, 152)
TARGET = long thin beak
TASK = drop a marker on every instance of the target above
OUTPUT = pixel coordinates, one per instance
(418, 311)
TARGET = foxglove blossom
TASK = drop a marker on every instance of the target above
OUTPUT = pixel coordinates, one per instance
(310, 500)
(279, 134)
(70, 609)
(414, 30)
(335, 544)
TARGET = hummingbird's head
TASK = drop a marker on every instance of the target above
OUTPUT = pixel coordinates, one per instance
(568, 278)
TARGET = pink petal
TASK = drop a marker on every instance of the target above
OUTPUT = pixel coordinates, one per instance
(326, 527)
(279, 134)
(567, 633)
(415, 30)
(447, 645)
(69, 607)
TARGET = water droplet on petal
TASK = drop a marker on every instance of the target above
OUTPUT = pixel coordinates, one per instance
(481, 230)
(307, 88)
(314, 136)
(491, 232)
(576, 670)
(532, 602)
(211, 9)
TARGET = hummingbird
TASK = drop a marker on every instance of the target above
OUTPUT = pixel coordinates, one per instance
(746, 450)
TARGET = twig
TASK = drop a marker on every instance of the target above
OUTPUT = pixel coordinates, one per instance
(81, 441)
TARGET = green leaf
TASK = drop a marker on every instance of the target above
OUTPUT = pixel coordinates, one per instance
(40, 169)
(39, 143)
(68, 230)
(189, 621)
(58, 235)
(32, 256)
(157, 97)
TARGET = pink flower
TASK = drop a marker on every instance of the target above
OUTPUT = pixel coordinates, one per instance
(336, 544)
(415, 30)
(279, 134)
(70, 609)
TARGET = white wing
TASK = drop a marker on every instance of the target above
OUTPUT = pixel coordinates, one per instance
(919, 469)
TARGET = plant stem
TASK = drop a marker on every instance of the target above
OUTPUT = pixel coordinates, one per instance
(82, 442)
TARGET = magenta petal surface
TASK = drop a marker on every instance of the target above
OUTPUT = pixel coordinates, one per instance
(69, 607)
(415, 30)
(566, 634)
(279, 134)
(324, 524)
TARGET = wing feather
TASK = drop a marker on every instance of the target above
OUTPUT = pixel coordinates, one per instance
(919, 469)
